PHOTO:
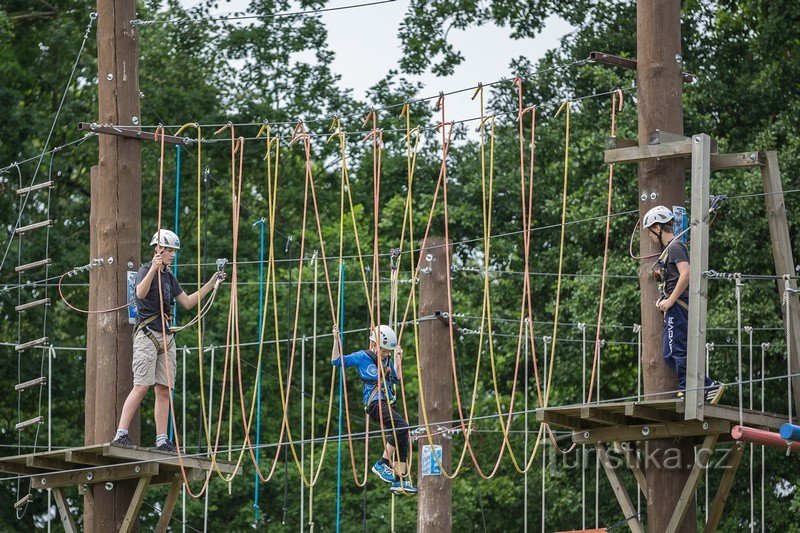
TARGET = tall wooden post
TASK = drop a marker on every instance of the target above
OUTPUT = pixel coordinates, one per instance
(434, 511)
(784, 260)
(658, 72)
(115, 232)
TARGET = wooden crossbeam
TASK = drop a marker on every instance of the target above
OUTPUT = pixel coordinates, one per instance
(724, 488)
(628, 509)
(688, 428)
(132, 515)
(169, 506)
(737, 160)
(644, 412)
(132, 132)
(48, 464)
(770, 421)
(604, 417)
(572, 422)
(16, 468)
(638, 154)
(63, 511)
(168, 476)
(83, 458)
(95, 475)
(688, 492)
(624, 62)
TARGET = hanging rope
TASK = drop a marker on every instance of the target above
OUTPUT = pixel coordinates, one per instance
(566, 107)
(616, 106)
(738, 296)
(788, 325)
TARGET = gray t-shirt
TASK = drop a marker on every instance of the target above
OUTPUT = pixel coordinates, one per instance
(676, 253)
(148, 306)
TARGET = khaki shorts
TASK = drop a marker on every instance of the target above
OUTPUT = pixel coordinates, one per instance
(148, 363)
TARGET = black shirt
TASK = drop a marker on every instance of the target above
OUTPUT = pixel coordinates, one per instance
(676, 253)
(148, 306)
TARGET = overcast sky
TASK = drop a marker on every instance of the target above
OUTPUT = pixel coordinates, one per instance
(367, 47)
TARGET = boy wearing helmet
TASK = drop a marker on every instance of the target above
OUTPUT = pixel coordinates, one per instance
(672, 272)
(149, 365)
(379, 373)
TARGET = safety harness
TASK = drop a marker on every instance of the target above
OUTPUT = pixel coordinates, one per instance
(142, 326)
(377, 389)
(660, 274)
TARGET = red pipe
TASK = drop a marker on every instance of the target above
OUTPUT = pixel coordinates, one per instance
(767, 438)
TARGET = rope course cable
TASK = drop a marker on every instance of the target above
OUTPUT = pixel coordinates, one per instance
(239, 17)
(324, 121)
(373, 432)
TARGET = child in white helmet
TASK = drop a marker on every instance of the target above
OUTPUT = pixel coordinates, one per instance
(672, 272)
(379, 398)
(149, 365)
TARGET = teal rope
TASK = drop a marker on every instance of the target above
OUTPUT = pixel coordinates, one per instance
(341, 388)
(175, 260)
(258, 375)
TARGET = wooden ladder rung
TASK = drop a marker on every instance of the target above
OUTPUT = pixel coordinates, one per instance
(31, 227)
(31, 422)
(31, 344)
(25, 499)
(35, 264)
(32, 188)
(31, 383)
(31, 305)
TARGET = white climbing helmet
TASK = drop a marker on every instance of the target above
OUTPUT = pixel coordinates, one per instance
(658, 215)
(387, 336)
(166, 238)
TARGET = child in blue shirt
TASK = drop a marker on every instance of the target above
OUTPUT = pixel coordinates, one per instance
(379, 401)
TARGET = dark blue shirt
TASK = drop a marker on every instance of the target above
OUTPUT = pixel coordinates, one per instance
(148, 306)
(677, 252)
(366, 362)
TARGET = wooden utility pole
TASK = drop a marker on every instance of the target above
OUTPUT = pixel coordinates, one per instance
(115, 232)
(434, 510)
(659, 79)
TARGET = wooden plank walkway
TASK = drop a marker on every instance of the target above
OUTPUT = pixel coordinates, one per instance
(650, 419)
(69, 466)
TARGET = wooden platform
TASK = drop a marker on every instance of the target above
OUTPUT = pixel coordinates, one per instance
(626, 423)
(652, 419)
(87, 466)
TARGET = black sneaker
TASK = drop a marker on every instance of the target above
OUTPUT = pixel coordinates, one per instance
(167, 447)
(714, 392)
(123, 441)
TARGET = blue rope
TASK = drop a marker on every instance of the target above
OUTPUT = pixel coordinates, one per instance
(341, 388)
(258, 377)
(175, 260)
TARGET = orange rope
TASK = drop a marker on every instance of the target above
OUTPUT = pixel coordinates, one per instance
(616, 105)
